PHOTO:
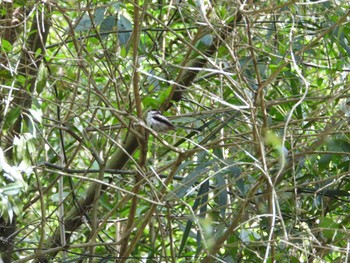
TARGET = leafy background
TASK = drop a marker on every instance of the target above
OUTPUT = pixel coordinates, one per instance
(266, 178)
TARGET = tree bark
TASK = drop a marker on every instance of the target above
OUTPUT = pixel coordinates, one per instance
(29, 67)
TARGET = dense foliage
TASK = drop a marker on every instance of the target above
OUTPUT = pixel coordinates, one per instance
(264, 178)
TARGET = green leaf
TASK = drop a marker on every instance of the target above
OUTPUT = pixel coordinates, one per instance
(55, 197)
(6, 45)
(99, 15)
(164, 94)
(222, 197)
(324, 161)
(38, 52)
(108, 25)
(41, 81)
(21, 3)
(11, 189)
(124, 25)
(37, 114)
(5, 74)
(123, 52)
(194, 176)
(205, 42)
(21, 79)
(11, 117)
(330, 227)
(118, 5)
(188, 227)
(84, 24)
(185, 235)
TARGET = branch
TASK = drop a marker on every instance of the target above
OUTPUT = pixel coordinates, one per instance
(122, 155)
(29, 66)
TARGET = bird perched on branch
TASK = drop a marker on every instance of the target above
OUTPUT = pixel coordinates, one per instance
(158, 122)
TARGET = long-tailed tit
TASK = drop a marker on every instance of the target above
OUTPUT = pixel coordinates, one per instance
(158, 122)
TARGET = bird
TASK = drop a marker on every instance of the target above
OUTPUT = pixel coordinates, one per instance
(158, 122)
